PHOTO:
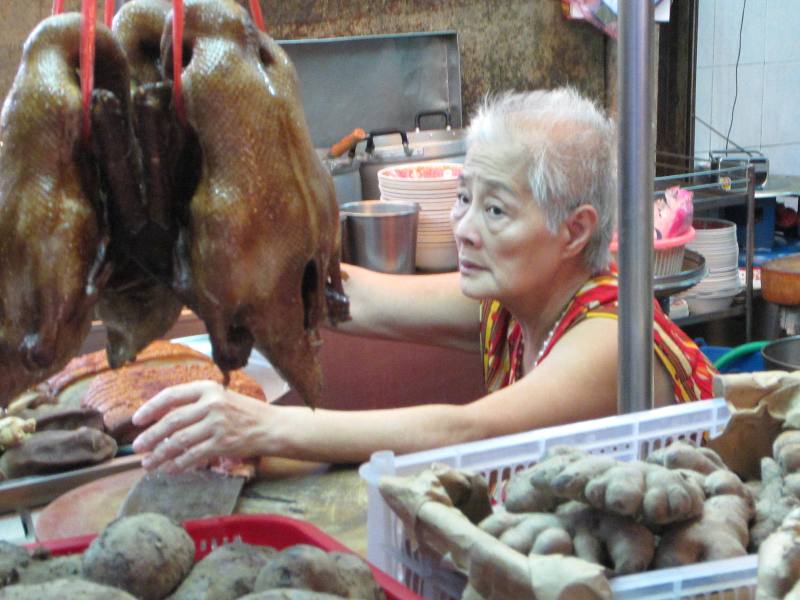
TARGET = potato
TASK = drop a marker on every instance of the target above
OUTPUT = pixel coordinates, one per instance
(226, 573)
(147, 555)
(49, 569)
(357, 576)
(12, 559)
(290, 595)
(303, 567)
(61, 589)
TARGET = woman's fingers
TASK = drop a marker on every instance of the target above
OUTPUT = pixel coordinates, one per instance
(178, 419)
(170, 398)
(178, 443)
(196, 456)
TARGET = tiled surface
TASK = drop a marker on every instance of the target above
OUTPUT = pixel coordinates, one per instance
(702, 108)
(746, 130)
(727, 21)
(783, 159)
(781, 121)
(705, 33)
(767, 112)
(783, 27)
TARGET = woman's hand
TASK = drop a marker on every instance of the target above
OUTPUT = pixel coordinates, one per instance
(195, 422)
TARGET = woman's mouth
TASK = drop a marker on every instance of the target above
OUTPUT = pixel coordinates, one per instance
(466, 267)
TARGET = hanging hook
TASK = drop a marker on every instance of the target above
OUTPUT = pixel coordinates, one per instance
(258, 17)
(88, 27)
(108, 13)
(58, 7)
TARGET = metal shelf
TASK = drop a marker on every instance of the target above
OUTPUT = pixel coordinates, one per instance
(733, 311)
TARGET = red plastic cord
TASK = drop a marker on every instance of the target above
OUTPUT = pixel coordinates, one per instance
(58, 7)
(258, 17)
(88, 26)
(108, 12)
(177, 60)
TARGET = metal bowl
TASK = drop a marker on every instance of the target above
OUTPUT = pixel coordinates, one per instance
(782, 354)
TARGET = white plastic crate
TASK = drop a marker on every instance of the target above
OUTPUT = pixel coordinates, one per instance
(626, 437)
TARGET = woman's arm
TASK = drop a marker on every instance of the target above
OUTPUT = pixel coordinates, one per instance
(415, 308)
(577, 381)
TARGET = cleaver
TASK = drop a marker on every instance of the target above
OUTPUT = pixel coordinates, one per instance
(181, 496)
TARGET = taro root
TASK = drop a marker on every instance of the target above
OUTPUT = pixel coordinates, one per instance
(54, 451)
(61, 589)
(46, 569)
(309, 568)
(12, 559)
(290, 595)
(147, 555)
(228, 572)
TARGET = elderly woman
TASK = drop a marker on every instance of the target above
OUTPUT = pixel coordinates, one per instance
(534, 294)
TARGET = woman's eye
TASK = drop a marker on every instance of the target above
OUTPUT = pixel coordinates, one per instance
(494, 210)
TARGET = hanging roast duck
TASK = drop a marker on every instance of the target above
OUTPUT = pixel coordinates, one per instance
(259, 242)
(232, 214)
(53, 237)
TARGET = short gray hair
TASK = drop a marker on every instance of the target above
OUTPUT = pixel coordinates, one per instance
(566, 146)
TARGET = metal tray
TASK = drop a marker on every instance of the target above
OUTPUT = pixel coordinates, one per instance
(23, 493)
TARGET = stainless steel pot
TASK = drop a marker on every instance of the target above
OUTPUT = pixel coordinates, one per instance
(343, 166)
(346, 176)
(393, 146)
(782, 354)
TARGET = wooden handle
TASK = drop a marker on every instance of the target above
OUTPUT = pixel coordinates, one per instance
(347, 142)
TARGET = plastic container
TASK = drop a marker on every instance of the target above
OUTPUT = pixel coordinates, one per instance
(625, 437)
(667, 253)
(262, 530)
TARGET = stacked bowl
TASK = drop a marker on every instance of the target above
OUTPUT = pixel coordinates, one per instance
(433, 186)
(716, 241)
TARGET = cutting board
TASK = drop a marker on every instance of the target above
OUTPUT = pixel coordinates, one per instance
(87, 508)
(333, 499)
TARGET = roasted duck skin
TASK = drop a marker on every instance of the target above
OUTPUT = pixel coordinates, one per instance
(258, 252)
(138, 26)
(138, 304)
(52, 237)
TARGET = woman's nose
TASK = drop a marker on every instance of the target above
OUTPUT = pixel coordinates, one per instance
(464, 227)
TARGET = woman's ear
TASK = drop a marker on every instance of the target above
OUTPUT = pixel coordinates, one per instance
(578, 228)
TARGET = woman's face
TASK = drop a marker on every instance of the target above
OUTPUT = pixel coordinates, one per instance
(505, 250)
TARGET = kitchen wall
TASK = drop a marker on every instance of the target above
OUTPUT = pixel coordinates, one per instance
(520, 44)
(768, 102)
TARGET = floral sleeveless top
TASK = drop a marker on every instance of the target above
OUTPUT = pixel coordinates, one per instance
(501, 340)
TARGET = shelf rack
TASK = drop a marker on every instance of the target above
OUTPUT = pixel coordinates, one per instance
(715, 188)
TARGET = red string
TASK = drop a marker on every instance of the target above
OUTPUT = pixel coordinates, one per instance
(58, 7)
(258, 17)
(88, 26)
(108, 12)
(177, 60)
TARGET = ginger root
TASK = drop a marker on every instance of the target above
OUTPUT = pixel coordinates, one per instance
(648, 491)
(779, 561)
(684, 455)
(721, 531)
(13, 430)
(606, 539)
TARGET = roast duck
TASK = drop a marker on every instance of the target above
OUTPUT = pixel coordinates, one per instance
(226, 210)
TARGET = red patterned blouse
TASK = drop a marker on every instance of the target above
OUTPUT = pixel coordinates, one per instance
(501, 340)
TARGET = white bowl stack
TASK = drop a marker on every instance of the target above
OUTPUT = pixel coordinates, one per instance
(716, 241)
(433, 186)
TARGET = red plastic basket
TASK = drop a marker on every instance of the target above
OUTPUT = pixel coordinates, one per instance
(262, 530)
